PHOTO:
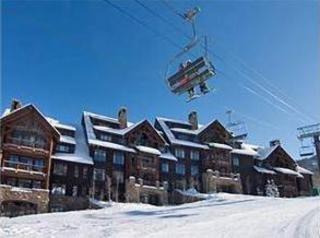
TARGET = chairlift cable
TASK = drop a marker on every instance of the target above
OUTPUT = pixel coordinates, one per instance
(157, 33)
(279, 99)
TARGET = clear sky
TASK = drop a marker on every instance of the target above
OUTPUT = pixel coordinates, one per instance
(69, 56)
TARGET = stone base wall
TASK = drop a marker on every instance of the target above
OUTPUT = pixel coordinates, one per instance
(213, 182)
(138, 192)
(39, 197)
(179, 198)
(67, 203)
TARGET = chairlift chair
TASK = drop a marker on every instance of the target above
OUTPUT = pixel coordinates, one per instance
(191, 74)
(306, 151)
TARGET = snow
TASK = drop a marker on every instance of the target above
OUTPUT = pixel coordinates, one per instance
(186, 131)
(263, 170)
(168, 156)
(225, 215)
(81, 154)
(171, 137)
(303, 170)
(220, 146)
(287, 171)
(246, 149)
(67, 139)
(148, 150)
(104, 118)
(111, 145)
(57, 124)
(265, 152)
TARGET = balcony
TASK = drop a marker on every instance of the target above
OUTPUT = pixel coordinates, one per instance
(12, 168)
(26, 145)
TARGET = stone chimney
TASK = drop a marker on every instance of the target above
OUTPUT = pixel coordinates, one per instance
(275, 142)
(15, 104)
(193, 120)
(123, 118)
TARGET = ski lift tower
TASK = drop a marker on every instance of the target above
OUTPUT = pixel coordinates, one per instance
(310, 132)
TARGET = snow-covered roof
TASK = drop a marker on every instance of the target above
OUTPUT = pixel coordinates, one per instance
(81, 154)
(67, 139)
(220, 146)
(185, 131)
(172, 138)
(303, 170)
(104, 118)
(168, 156)
(246, 149)
(265, 152)
(288, 171)
(148, 150)
(93, 140)
(111, 145)
(8, 112)
(263, 170)
(110, 130)
(64, 126)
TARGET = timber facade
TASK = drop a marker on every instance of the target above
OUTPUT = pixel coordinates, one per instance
(50, 166)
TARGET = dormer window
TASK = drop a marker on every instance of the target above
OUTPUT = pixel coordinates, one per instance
(118, 158)
(179, 153)
(194, 155)
(63, 148)
(100, 155)
(106, 137)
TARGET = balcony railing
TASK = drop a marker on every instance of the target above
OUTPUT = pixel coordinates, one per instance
(28, 143)
(23, 166)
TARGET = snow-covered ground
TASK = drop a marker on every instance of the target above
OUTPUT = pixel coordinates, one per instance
(223, 215)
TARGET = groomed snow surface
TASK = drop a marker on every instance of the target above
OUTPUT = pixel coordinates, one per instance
(221, 215)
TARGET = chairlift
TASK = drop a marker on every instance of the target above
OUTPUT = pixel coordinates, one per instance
(306, 150)
(238, 129)
(192, 73)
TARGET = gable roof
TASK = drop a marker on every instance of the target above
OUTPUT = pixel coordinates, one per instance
(81, 153)
(171, 137)
(11, 114)
(145, 122)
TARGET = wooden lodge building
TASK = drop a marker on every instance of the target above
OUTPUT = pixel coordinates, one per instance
(46, 165)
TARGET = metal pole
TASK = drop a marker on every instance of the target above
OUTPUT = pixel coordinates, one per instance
(317, 145)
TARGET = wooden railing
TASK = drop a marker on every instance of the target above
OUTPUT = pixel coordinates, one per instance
(28, 143)
(23, 166)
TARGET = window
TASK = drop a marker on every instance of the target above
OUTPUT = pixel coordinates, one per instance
(63, 148)
(38, 164)
(75, 191)
(194, 155)
(85, 172)
(24, 183)
(11, 181)
(100, 155)
(194, 170)
(165, 167)
(179, 153)
(235, 161)
(25, 163)
(13, 160)
(58, 189)
(180, 169)
(36, 184)
(105, 137)
(60, 169)
(118, 158)
(99, 174)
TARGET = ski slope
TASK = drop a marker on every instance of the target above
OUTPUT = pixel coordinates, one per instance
(223, 215)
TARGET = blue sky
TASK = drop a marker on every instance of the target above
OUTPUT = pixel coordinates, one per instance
(70, 56)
